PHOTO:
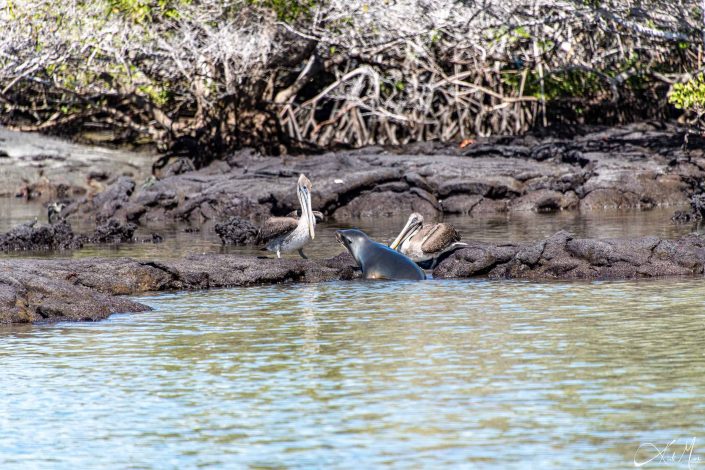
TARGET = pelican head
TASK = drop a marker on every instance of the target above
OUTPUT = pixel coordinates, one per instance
(303, 191)
(412, 226)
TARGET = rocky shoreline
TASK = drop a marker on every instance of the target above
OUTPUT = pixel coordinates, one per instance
(39, 167)
(636, 166)
(563, 257)
(41, 290)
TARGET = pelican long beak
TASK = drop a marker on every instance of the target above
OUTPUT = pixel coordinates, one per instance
(307, 213)
(408, 230)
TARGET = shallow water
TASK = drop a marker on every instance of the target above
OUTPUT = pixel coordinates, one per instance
(179, 242)
(438, 374)
(458, 374)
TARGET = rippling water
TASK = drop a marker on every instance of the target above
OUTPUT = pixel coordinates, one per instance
(363, 374)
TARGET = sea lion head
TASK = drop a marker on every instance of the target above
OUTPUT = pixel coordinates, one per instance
(352, 239)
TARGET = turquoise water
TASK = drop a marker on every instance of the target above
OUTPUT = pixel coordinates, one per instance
(437, 374)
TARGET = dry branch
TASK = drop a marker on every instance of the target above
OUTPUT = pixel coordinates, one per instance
(226, 74)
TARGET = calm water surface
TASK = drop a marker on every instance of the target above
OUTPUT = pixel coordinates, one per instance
(454, 374)
(179, 242)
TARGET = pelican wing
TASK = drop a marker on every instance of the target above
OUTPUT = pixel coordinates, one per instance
(438, 237)
(275, 227)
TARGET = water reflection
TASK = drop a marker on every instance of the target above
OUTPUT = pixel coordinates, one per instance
(515, 227)
(363, 374)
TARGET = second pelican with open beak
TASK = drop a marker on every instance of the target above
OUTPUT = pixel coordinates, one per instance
(286, 234)
(426, 243)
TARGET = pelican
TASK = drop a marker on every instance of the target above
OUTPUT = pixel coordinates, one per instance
(426, 243)
(318, 215)
(286, 234)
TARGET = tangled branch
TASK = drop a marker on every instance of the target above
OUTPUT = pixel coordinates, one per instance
(226, 74)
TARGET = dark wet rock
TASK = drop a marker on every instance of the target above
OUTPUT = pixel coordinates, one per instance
(697, 203)
(84, 289)
(386, 203)
(236, 231)
(60, 236)
(34, 237)
(28, 297)
(176, 166)
(564, 257)
(114, 231)
(107, 204)
(418, 181)
(696, 212)
(683, 217)
(635, 166)
(490, 206)
(114, 198)
(36, 290)
(460, 204)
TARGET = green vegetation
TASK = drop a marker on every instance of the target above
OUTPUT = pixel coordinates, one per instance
(689, 96)
(154, 11)
(568, 84)
(286, 10)
(146, 11)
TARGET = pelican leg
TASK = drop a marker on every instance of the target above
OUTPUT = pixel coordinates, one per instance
(301, 252)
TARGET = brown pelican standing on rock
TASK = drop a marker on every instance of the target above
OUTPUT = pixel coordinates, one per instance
(286, 234)
(426, 243)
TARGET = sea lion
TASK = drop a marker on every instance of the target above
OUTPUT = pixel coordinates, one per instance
(376, 260)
